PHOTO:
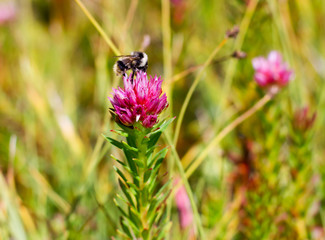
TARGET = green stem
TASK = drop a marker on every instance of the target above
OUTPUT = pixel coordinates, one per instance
(143, 195)
(98, 27)
(192, 89)
(187, 187)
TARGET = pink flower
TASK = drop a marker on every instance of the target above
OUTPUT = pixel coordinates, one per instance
(184, 209)
(272, 71)
(7, 12)
(141, 100)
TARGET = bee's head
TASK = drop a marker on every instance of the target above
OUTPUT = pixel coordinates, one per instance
(143, 58)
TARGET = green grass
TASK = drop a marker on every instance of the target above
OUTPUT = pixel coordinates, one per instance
(264, 179)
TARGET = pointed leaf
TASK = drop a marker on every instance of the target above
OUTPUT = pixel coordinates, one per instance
(120, 208)
(139, 163)
(134, 229)
(126, 227)
(147, 175)
(135, 218)
(157, 201)
(114, 142)
(164, 231)
(119, 161)
(152, 183)
(121, 133)
(119, 172)
(123, 234)
(145, 233)
(154, 136)
(129, 148)
(126, 192)
(131, 140)
(161, 154)
(167, 184)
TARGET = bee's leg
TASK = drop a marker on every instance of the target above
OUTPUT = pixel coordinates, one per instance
(132, 75)
(124, 74)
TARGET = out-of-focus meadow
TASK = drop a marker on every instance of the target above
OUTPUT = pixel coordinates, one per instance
(264, 180)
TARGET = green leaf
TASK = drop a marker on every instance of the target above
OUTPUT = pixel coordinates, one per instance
(134, 229)
(161, 154)
(158, 159)
(120, 208)
(153, 139)
(144, 196)
(150, 151)
(147, 175)
(114, 142)
(131, 140)
(129, 158)
(139, 163)
(135, 218)
(167, 184)
(123, 234)
(126, 228)
(125, 128)
(157, 202)
(120, 132)
(133, 186)
(151, 214)
(162, 198)
(129, 148)
(145, 234)
(124, 165)
(160, 127)
(122, 199)
(119, 172)
(152, 183)
(164, 231)
(126, 192)
(119, 161)
(159, 162)
(129, 153)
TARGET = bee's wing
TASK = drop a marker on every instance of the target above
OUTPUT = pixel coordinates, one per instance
(128, 60)
(131, 57)
(125, 56)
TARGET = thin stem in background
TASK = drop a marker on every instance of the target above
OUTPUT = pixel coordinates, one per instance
(250, 10)
(196, 163)
(192, 89)
(166, 35)
(187, 187)
(231, 68)
(289, 44)
(167, 51)
(220, 136)
(167, 60)
(190, 70)
(227, 218)
(128, 20)
(183, 74)
(9, 199)
(98, 27)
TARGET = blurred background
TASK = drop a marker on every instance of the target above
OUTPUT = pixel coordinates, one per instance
(265, 180)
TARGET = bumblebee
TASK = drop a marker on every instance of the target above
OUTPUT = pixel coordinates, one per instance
(136, 61)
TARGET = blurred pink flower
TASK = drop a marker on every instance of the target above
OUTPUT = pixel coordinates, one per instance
(7, 12)
(271, 71)
(140, 100)
(184, 209)
(317, 233)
